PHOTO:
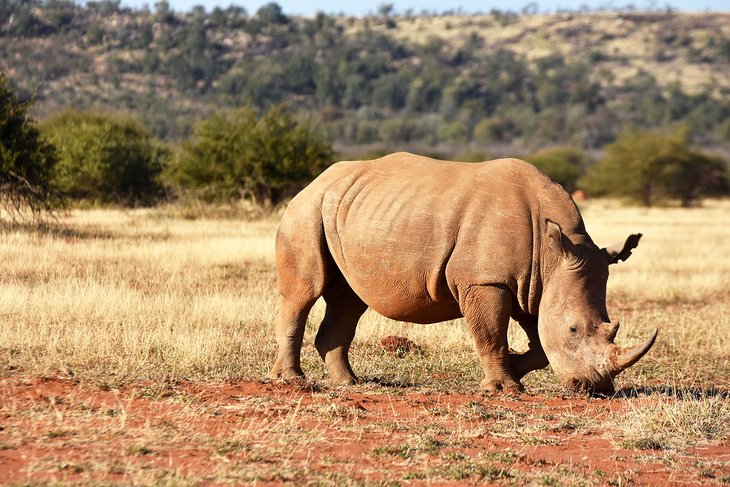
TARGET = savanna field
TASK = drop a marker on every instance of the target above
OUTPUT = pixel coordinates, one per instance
(135, 346)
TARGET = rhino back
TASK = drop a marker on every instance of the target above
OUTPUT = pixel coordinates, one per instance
(408, 232)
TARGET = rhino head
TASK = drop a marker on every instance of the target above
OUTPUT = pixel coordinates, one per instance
(574, 328)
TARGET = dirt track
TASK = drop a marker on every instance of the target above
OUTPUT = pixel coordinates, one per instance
(151, 433)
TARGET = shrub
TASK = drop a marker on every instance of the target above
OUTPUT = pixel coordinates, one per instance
(105, 158)
(565, 165)
(238, 155)
(26, 159)
(649, 167)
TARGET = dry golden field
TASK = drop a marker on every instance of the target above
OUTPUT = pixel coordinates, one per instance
(130, 339)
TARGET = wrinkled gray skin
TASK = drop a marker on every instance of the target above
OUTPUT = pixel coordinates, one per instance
(424, 241)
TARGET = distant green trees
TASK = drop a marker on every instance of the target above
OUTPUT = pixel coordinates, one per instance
(371, 84)
(564, 164)
(649, 167)
(27, 160)
(368, 88)
(105, 158)
(238, 154)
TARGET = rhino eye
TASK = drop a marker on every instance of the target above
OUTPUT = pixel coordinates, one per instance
(573, 330)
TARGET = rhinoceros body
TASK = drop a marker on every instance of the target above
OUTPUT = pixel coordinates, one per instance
(422, 240)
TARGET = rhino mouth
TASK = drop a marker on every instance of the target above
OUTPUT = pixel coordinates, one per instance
(597, 384)
(592, 381)
(595, 389)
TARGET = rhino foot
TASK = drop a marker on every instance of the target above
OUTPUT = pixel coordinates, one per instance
(288, 374)
(522, 364)
(342, 380)
(501, 385)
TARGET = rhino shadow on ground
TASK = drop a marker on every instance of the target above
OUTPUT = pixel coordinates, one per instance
(672, 391)
(681, 393)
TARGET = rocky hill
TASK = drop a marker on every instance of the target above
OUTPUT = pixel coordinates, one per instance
(452, 82)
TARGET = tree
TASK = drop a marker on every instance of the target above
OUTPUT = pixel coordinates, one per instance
(694, 174)
(105, 158)
(26, 159)
(563, 164)
(651, 166)
(271, 14)
(59, 14)
(239, 155)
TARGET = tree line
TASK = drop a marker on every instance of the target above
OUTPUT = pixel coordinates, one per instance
(361, 83)
(267, 156)
(103, 158)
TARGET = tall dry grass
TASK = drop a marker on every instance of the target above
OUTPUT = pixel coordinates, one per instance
(121, 295)
(135, 294)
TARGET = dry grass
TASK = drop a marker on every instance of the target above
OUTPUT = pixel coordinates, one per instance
(676, 423)
(134, 294)
(112, 298)
(142, 294)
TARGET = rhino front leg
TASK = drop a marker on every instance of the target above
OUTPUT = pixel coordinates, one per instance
(487, 311)
(534, 358)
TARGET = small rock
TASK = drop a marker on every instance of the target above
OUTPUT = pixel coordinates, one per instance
(398, 346)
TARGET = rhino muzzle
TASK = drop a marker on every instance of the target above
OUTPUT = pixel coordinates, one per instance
(603, 386)
(596, 382)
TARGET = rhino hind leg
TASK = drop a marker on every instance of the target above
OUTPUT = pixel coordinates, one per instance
(534, 358)
(302, 264)
(487, 312)
(290, 325)
(337, 330)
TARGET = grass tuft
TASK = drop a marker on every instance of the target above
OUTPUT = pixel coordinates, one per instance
(677, 422)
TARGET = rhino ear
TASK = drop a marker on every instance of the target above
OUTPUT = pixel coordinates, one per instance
(622, 251)
(555, 238)
(559, 243)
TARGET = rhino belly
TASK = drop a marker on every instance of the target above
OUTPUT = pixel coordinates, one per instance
(398, 300)
(397, 281)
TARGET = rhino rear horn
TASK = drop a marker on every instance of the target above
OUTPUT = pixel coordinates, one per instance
(622, 251)
(612, 330)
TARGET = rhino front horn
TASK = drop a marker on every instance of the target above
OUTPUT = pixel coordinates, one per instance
(629, 356)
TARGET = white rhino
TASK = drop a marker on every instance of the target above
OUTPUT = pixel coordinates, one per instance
(422, 240)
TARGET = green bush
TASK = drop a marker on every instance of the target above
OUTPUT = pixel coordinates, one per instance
(565, 165)
(26, 159)
(238, 155)
(649, 167)
(105, 158)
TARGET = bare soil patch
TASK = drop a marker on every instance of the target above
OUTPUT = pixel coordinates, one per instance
(59, 430)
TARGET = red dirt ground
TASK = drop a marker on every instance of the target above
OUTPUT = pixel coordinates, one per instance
(253, 432)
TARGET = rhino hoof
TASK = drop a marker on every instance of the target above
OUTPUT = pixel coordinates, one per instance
(287, 375)
(345, 380)
(491, 386)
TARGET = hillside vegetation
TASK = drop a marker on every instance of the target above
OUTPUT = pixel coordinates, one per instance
(451, 85)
